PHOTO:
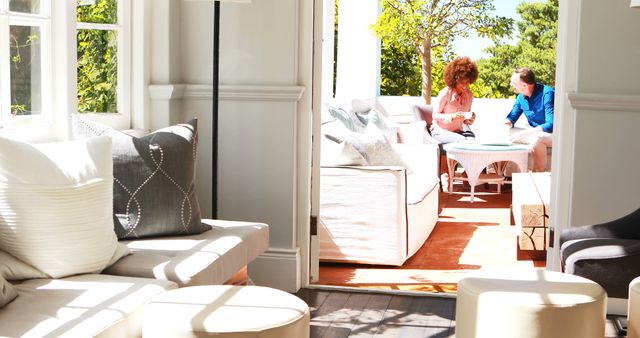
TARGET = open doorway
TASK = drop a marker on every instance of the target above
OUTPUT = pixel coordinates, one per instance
(465, 236)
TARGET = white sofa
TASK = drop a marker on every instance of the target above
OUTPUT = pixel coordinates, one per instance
(379, 214)
(63, 272)
(111, 304)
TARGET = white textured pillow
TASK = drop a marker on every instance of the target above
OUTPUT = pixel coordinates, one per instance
(413, 133)
(56, 205)
(377, 148)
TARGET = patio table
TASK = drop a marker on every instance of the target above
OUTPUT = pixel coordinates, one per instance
(475, 157)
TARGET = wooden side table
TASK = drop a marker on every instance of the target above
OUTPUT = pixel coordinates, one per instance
(530, 206)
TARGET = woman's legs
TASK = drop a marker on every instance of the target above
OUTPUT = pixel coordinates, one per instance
(446, 136)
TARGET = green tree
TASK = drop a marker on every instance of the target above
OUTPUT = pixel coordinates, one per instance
(536, 48)
(429, 26)
(399, 71)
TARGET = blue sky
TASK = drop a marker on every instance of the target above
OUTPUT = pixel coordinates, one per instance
(473, 45)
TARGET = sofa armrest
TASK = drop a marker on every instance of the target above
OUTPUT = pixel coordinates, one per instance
(609, 262)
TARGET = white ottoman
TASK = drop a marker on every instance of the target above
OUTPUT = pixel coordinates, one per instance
(633, 323)
(529, 304)
(226, 311)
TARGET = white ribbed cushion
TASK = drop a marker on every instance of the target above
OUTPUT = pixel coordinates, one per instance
(56, 205)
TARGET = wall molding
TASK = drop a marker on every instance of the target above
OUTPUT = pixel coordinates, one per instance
(166, 92)
(226, 92)
(606, 102)
(262, 93)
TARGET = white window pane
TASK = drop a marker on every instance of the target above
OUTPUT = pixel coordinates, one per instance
(97, 71)
(26, 73)
(25, 6)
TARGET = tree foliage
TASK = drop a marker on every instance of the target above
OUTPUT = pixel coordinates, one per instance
(428, 27)
(97, 59)
(535, 49)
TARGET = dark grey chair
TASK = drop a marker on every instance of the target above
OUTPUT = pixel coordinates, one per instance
(607, 253)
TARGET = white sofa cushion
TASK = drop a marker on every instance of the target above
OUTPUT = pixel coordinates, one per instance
(211, 257)
(7, 292)
(80, 306)
(373, 146)
(55, 205)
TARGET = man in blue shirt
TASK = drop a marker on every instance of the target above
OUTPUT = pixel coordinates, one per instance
(535, 100)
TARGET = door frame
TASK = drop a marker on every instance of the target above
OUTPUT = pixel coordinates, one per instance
(562, 155)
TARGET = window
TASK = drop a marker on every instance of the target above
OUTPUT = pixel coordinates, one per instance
(103, 66)
(38, 88)
(24, 53)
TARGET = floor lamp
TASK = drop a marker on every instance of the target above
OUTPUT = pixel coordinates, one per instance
(214, 102)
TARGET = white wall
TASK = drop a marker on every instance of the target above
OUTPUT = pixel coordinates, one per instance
(264, 113)
(597, 111)
(606, 146)
(608, 61)
(358, 71)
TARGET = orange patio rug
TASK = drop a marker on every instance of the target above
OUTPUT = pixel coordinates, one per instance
(467, 237)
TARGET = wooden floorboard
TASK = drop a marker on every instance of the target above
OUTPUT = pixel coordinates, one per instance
(357, 314)
(341, 314)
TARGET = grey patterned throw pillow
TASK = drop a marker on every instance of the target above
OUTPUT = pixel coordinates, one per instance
(154, 179)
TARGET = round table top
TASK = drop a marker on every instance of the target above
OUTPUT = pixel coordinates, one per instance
(475, 147)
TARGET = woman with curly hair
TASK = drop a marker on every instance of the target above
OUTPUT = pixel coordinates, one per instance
(453, 114)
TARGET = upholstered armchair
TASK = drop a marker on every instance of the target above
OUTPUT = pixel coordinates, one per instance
(607, 253)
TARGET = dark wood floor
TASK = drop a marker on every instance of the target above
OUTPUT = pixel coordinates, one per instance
(356, 314)
(337, 314)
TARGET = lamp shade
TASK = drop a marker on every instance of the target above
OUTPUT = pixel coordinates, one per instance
(635, 4)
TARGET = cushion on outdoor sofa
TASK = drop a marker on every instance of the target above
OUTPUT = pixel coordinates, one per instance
(211, 257)
(7, 292)
(80, 306)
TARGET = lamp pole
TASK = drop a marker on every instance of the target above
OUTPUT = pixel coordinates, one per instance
(214, 110)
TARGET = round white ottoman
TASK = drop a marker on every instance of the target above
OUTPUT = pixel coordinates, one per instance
(529, 304)
(633, 316)
(226, 311)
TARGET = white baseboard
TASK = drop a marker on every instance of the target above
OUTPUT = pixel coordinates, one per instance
(277, 268)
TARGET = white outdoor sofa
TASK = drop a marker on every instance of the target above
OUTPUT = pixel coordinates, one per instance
(380, 214)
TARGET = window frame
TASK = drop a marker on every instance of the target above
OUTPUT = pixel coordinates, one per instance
(122, 118)
(57, 103)
(42, 121)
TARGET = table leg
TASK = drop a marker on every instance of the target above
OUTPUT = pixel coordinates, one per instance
(473, 174)
(451, 164)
